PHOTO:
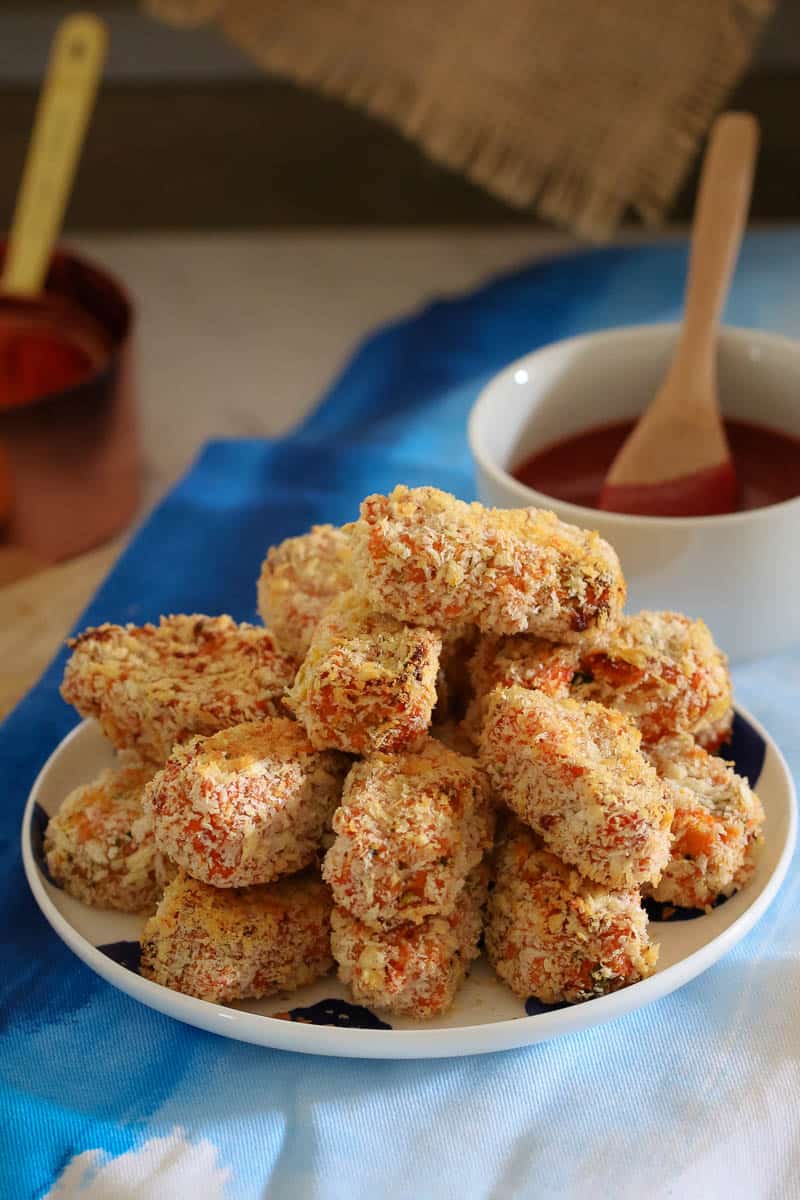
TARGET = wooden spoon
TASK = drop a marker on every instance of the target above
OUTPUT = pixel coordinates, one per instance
(62, 116)
(676, 461)
(28, 318)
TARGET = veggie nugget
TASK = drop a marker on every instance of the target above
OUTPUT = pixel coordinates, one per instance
(298, 580)
(368, 682)
(574, 773)
(662, 670)
(411, 969)
(555, 936)
(409, 830)
(427, 558)
(99, 846)
(247, 804)
(226, 944)
(152, 686)
(524, 660)
(659, 668)
(716, 827)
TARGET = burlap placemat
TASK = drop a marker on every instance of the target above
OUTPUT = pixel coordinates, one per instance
(577, 109)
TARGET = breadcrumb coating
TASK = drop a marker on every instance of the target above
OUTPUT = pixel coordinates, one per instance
(409, 830)
(661, 669)
(411, 969)
(100, 848)
(716, 827)
(574, 772)
(247, 804)
(368, 682)
(151, 687)
(429, 559)
(524, 660)
(298, 580)
(553, 935)
(715, 735)
(227, 944)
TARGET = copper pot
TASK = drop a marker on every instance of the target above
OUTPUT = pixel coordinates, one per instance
(69, 459)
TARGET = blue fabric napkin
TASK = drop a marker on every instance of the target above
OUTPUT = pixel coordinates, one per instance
(100, 1097)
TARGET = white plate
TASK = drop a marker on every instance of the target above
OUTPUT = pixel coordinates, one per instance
(486, 1016)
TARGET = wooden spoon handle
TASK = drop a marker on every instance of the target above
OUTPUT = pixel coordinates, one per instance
(65, 105)
(723, 200)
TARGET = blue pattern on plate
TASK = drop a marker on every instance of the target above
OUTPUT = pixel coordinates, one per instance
(127, 954)
(659, 911)
(39, 822)
(340, 1013)
(746, 749)
(535, 1008)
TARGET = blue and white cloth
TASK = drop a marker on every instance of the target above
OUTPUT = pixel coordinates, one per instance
(694, 1097)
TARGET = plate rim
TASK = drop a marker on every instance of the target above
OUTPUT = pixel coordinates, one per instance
(276, 1033)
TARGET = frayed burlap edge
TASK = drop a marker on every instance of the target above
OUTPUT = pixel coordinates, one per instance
(502, 160)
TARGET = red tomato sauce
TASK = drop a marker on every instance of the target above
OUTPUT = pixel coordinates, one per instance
(767, 464)
(46, 347)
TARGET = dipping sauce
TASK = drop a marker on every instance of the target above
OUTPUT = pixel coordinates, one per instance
(46, 346)
(69, 452)
(767, 464)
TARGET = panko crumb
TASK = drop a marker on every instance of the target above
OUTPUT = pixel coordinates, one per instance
(368, 682)
(298, 580)
(424, 557)
(553, 935)
(524, 661)
(716, 827)
(247, 804)
(409, 830)
(661, 669)
(665, 672)
(575, 773)
(415, 970)
(99, 846)
(227, 944)
(716, 734)
(151, 687)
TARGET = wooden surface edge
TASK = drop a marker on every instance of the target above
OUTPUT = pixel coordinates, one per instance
(37, 612)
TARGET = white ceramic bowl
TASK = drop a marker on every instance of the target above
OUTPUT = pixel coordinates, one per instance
(741, 573)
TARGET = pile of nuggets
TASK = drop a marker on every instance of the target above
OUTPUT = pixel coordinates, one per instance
(446, 735)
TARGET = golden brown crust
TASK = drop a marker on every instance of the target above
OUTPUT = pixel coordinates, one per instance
(247, 804)
(409, 829)
(411, 969)
(424, 557)
(659, 668)
(713, 736)
(662, 670)
(298, 580)
(368, 683)
(716, 827)
(524, 660)
(227, 944)
(555, 936)
(574, 773)
(99, 846)
(151, 687)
